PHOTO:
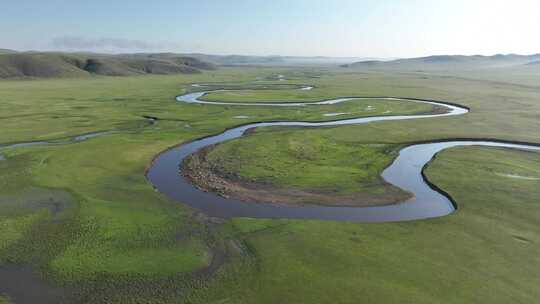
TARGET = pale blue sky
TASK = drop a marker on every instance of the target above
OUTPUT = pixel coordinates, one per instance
(391, 28)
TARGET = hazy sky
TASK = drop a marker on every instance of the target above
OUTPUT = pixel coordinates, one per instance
(391, 28)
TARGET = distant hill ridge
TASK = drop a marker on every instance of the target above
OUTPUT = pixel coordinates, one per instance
(273, 60)
(49, 65)
(450, 61)
(7, 51)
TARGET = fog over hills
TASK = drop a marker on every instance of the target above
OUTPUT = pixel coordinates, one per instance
(276, 60)
(7, 51)
(449, 62)
(15, 64)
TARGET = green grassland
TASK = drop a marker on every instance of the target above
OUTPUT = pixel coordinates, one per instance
(278, 160)
(114, 239)
(4, 300)
(303, 164)
(485, 253)
(51, 109)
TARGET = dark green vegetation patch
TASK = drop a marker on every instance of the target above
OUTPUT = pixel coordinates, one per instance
(298, 167)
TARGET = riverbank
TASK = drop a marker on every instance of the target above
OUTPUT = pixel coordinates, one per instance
(211, 175)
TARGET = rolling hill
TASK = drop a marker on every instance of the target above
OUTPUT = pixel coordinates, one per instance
(49, 65)
(444, 62)
(7, 51)
(275, 60)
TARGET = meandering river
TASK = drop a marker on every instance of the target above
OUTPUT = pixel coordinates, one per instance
(406, 171)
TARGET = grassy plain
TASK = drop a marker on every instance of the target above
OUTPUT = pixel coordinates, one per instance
(486, 252)
(114, 239)
(297, 167)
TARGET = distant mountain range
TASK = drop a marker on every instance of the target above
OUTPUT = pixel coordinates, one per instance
(48, 65)
(449, 62)
(7, 51)
(276, 60)
(15, 64)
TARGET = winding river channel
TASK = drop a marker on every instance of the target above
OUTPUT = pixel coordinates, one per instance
(406, 171)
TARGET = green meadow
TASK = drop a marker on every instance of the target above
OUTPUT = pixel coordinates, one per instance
(84, 217)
